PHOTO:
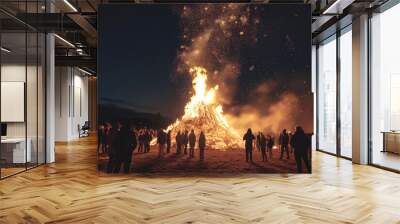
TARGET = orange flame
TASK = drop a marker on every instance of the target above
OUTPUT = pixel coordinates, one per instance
(204, 111)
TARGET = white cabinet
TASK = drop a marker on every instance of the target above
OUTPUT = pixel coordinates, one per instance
(14, 150)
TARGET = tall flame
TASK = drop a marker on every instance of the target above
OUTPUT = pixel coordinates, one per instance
(204, 113)
(202, 96)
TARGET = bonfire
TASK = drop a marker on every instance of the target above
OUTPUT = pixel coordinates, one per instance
(204, 113)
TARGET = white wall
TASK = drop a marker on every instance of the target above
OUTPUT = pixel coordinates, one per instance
(71, 102)
(15, 72)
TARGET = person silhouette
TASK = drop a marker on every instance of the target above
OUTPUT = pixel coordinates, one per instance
(128, 145)
(202, 145)
(284, 142)
(300, 143)
(161, 140)
(185, 141)
(192, 142)
(114, 142)
(123, 154)
(249, 138)
(141, 141)
(263, 146)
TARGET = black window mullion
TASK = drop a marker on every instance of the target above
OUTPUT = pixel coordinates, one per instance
(26, 86)
(317, 96)
(37, 90)
(369, 91)
(338, 93)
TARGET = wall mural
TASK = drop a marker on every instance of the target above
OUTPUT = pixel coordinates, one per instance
(205, 88)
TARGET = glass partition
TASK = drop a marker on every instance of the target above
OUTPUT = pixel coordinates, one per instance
(41, 96)
(31, 99)
(346, 93)
(13, 109)
(22, 91)
(327, 95)
(385, 89)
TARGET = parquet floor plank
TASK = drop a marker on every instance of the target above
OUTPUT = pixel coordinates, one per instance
(72, 191)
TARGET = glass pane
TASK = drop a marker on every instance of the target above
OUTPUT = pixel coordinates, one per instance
(327, 96)
(385, 84)
(31, 97)
(13, 86)
(41, 98)
(346, 94)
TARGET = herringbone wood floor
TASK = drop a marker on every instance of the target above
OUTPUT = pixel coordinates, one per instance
(71, 191)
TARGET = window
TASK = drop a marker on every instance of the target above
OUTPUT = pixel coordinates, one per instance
(327, 95)
(23, 89)
(385, 88)
(346, 93)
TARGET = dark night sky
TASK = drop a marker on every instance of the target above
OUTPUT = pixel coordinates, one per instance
(138, 47)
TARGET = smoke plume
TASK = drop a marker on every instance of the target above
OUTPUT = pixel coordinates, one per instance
(212, 37)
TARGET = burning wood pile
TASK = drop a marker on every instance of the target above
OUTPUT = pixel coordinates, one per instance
(203, 113)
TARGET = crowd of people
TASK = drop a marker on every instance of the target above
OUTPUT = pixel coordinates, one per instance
(119, 141)
(184, 141)
(298, 144)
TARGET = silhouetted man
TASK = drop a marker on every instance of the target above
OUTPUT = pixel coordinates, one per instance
(178, 140)
(114, 147)
(300, 143)
(202, 145)
(147, 140)
(118, 147)
(161, 140)
(284, 142)
(185, 141)
(192, 142)
(128, 145)
(249, 138)
(168, 141)
(141, 141)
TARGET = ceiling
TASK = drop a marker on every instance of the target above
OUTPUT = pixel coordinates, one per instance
(75, 21)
